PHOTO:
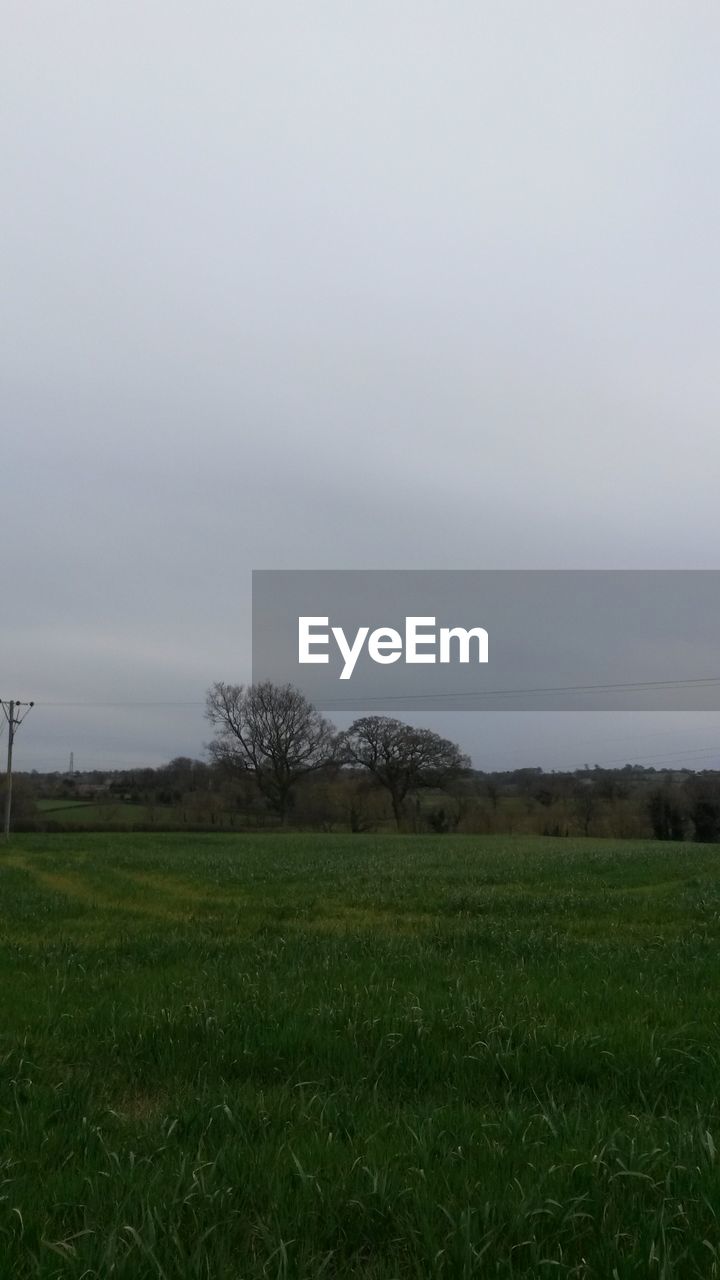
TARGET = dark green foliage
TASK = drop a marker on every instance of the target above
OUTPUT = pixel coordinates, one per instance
(704, 797)
(439, 821)
(667, 817)
(705, 814)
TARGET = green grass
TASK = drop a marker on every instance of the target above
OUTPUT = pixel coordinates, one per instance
(229, 1057)
(97, 814)
(121, 815)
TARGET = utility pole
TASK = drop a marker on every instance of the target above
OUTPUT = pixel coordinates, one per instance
(14, 714)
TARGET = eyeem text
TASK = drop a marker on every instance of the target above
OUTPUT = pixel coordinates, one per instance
(422, 642)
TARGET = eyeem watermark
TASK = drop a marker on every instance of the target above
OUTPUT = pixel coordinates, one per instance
(551, 640)
(419, 642)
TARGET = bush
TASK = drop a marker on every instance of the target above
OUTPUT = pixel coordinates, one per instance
(666, 812)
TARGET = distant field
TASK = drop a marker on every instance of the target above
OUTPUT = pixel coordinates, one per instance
(235, 1057)
(116, 813)
(110, 814)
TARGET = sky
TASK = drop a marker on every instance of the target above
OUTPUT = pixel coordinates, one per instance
(333, 285)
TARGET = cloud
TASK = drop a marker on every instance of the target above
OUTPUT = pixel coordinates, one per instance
(343, 286)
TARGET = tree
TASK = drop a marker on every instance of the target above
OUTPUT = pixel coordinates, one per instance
(492, 791)
(585, 803)
(400, 757)
(665, 810)
(272, 732)
(705, 815)
(704, 796)
(24, 808)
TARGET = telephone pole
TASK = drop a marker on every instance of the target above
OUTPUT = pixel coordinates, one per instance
(15, 713)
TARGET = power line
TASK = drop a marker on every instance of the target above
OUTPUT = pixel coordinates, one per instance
(127, 703)
(698, 682)
(695, 682)
(681, 754)
(692, 682)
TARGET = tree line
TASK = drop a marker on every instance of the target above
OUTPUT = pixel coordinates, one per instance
(275, 761)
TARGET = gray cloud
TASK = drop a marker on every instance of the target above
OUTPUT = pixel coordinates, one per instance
(340, 286)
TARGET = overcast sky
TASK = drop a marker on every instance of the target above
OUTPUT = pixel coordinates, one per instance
(326, 285)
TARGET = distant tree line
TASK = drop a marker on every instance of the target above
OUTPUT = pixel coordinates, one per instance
(274, 760)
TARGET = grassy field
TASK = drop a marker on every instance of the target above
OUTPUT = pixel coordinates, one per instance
(303, 1056)
(94, 814)
(120, 815)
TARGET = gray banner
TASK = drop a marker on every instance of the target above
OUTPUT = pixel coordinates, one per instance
(536, 640)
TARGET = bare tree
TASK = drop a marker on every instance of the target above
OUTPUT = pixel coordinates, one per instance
(492, 791)
(272, 732)
(400, 757)
(585, 803)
